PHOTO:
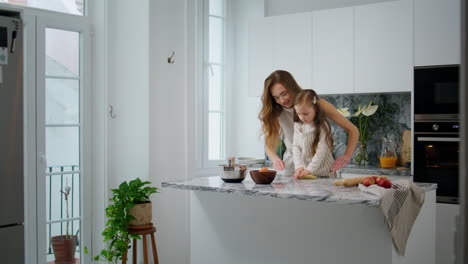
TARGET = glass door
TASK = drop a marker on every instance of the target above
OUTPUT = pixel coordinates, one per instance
(62, 125)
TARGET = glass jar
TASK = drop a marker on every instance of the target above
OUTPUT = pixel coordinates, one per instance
(388, 156)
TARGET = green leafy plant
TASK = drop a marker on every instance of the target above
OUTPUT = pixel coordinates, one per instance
(116, 232)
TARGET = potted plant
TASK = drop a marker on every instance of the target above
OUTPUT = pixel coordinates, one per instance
(131, 206)
(64, 245)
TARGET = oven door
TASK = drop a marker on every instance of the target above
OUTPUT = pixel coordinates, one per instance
(436, 161)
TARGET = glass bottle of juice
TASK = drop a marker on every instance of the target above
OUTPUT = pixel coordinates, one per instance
(388, 156)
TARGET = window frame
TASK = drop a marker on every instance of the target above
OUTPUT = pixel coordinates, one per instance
(203, 97)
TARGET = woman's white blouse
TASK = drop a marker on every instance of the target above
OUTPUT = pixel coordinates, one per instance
(321, 162)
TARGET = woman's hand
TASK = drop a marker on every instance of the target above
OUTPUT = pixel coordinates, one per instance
(340, 162)
(278, 164)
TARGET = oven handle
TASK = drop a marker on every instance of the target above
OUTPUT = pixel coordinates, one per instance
(439, 139)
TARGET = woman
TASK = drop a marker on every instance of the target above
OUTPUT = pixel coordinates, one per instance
(277, 117)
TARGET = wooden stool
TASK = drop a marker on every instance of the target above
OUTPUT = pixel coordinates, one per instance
(143, 231)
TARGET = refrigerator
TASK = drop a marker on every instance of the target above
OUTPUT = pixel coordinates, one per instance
(11, 141)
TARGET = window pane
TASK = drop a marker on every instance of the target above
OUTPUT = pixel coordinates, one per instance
(216, 40)
(217, 7)
(214, 136)
(65, 6)
(62, 101)
(214, 76)
(62, 53)
(62, 146)
(56, 207)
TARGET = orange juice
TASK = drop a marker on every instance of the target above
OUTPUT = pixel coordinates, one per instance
(388, 162)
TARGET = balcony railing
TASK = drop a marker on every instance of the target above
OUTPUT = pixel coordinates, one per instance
(57, 178)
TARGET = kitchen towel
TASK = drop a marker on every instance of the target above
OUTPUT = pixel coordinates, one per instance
(400, 205)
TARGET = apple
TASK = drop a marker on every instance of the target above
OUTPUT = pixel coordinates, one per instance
(385, 183)
(368, 181)
(378, 179)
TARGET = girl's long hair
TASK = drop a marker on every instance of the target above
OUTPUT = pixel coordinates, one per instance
(310, 98)
(271, 110)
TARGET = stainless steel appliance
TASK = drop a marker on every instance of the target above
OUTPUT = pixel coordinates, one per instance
(11, 140)
(436, 92)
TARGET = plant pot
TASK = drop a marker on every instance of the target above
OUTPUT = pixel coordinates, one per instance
(142, 213)
(64, 249)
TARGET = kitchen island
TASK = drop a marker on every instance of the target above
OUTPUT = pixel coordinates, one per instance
(297, 221)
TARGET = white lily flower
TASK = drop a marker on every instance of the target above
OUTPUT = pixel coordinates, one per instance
(344, 111)
(370, 109)
(358, 112)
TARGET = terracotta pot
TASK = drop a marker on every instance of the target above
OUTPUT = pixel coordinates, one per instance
(142, 213)
(64, 249)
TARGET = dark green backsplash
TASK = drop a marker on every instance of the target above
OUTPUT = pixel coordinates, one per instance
(392, 117)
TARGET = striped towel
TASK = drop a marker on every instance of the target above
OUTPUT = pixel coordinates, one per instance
(400, 205)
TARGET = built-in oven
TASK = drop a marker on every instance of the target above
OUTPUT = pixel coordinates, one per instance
(436, 92)
(436, 154)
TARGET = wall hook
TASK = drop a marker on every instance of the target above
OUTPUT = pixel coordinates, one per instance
(111, 112)
(170, 59)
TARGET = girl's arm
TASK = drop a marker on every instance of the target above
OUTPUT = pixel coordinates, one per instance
(297, 150)
(352, 130)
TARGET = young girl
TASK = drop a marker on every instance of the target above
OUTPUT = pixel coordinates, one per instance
(277, 118)
(312, 142)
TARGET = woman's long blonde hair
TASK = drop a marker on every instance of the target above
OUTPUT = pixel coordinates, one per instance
(310, 98)
(271, 110)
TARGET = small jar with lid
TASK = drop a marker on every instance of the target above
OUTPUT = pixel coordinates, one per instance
(388, 156)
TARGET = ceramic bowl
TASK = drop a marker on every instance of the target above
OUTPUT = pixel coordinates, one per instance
(263, 177)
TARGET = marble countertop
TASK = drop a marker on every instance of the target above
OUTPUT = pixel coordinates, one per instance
(374, 170)
(321, 190)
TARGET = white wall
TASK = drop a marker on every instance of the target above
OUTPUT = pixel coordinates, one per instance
(172, 104)
(128, 90)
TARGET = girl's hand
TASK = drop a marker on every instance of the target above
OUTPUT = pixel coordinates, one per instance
(278, 164)
(304, 173)
(340, 162)
(298, 172)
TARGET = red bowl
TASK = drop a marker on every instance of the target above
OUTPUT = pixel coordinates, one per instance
(263, 177)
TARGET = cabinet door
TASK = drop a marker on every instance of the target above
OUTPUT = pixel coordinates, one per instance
(261, 53)
(293, 37)
(332, 51)
(436, 32)
(384, 47)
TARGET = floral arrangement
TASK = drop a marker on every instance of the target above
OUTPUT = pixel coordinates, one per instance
(361, 118)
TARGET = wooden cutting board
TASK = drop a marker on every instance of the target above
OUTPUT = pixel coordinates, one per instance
(405, 147)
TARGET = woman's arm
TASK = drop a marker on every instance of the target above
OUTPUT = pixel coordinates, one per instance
(352, 130)
(278, 164)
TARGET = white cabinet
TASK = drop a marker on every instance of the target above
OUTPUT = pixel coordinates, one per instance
(437, 32)
(260, 54)
(383, 50)
(332, 51)
(292, 38)
(445, 232)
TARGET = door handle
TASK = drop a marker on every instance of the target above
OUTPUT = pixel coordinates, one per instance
(438, 139)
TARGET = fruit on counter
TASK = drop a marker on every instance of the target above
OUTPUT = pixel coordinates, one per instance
(308, 177)
(385, 183)
(353, 181)
(378, 179)
(263, 169)
(369, 181)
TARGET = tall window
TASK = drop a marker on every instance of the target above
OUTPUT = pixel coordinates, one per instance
(215, 27)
